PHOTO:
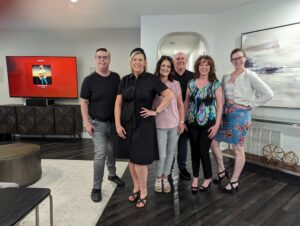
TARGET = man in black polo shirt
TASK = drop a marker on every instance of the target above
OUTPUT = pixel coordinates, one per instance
(183, 76)
(98, 94)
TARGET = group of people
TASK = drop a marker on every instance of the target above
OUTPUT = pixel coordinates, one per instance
(154, 116)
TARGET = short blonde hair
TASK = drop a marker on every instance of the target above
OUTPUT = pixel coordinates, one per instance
(133, 54)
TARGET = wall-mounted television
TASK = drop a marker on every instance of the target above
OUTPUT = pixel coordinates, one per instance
(42, 76)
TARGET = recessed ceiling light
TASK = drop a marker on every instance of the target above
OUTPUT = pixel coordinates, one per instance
(73, 1)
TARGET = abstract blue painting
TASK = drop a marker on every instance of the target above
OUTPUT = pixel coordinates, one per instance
(274, 54)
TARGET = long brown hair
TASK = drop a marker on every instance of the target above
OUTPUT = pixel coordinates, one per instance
(159, 62)
(212, 72)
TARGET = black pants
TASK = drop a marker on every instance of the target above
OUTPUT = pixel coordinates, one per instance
(200, 145)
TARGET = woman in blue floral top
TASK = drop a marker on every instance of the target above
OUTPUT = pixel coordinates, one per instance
(203, 104)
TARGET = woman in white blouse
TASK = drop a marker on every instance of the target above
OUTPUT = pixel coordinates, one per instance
(243, 91)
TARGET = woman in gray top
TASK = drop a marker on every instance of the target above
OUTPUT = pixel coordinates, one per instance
(243, 91)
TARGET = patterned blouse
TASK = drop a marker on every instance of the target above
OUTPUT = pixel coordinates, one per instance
(202, 107)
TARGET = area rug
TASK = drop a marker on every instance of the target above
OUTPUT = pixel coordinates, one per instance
(70, 182)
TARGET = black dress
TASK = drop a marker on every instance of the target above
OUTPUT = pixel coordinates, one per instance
(140, 145)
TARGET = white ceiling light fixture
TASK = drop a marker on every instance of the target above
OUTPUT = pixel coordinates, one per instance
(73, 1)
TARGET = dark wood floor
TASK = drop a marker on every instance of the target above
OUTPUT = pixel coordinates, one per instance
(266, 197)
(61, 148)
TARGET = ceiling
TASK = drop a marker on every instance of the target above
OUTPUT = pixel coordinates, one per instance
(18, 14)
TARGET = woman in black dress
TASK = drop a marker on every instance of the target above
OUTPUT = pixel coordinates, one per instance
(135, 122)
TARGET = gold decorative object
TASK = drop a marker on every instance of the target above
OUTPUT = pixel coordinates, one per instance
(290, 159)
(273, 152)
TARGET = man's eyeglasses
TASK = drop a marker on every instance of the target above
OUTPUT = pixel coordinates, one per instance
(102, 57)
(238, 58)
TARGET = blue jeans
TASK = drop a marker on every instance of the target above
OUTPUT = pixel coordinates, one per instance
(182, 150)
(103, 142)
(167, 146)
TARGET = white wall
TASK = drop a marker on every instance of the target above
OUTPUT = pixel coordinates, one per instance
(81, 43)
(223, 32)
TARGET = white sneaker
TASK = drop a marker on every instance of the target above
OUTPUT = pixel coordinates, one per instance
(158, 185)
(166, 185)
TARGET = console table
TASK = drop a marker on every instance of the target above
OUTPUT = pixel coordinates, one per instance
(17, 203)
(41, 120)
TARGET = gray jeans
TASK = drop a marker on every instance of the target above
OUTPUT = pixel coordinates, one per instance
(167, 146)
(103, 142)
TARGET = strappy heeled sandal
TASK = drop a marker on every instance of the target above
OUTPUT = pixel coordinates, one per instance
(134, 196)
(232, 188)
(194, 189)
(204, 189)
(219, 179)
(143, 201)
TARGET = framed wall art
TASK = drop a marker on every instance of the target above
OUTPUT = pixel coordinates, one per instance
(274, 54)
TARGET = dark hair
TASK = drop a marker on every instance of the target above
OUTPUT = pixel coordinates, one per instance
(236, 51)
(138, 50)
(103, 50)
(212, 72)
(159, 62)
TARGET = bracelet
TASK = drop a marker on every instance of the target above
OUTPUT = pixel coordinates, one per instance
(182, 122)
(156, 112)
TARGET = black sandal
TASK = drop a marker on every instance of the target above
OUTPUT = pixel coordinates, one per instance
(219, 179)
(194, 189)
(205, 189)
(232, 189)
(144, 201)
(135, 195)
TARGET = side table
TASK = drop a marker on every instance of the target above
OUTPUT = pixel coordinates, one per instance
(17, 203)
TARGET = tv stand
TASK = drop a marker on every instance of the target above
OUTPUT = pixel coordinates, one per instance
(39, 102)
(41, 120)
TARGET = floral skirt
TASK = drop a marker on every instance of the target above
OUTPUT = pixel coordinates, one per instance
(236, 122)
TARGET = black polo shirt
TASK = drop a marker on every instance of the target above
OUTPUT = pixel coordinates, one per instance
(183, 80)
(101, 92)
